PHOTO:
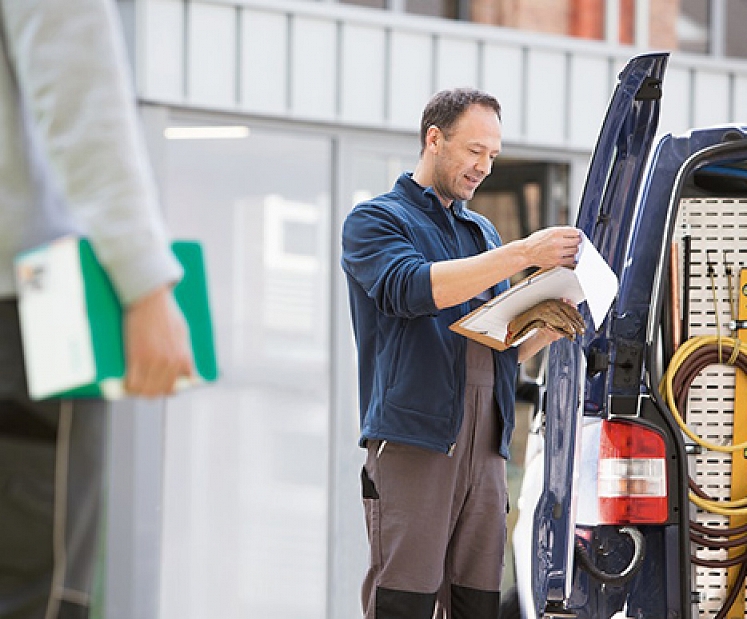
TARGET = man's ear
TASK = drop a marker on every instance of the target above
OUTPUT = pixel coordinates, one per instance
(433, 137)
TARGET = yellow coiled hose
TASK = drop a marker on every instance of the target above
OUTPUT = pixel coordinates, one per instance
(687, 362)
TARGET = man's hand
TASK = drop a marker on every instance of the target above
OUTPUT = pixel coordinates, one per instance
(542, 337)
(458, 280)
(157, 346)
(550, 247)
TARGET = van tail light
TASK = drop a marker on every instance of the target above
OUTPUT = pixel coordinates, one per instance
(632, 478)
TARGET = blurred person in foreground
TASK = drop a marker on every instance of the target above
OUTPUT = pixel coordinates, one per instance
(72, 160)
(437, 409)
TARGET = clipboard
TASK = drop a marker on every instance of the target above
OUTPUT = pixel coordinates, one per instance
(592, 280)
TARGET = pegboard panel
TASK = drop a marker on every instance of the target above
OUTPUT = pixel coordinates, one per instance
(717, 233)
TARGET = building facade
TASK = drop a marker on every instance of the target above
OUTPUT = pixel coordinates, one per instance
(266, 121)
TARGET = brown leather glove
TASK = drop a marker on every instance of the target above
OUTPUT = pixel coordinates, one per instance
(552, 313)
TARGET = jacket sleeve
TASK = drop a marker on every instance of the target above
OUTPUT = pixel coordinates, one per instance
(382, 259)
(72, 73)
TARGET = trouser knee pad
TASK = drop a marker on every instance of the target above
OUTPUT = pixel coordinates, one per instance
(392, 604)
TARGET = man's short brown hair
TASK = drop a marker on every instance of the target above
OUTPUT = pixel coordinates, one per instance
(446, 106)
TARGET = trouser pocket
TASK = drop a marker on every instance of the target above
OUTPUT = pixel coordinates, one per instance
(371, 507)
(367, 486)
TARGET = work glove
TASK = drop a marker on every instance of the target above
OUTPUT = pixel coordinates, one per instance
(551, 313)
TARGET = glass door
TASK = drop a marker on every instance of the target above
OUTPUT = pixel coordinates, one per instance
(246, 460)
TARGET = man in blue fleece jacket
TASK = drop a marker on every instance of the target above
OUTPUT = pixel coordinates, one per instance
(436, 409)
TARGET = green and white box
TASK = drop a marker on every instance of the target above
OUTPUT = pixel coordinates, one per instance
(71, 319)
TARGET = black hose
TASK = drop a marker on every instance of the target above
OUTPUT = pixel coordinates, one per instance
(636, 561)
(717, 531)
(720, 563)
(713, 544)
(690, 368)
(731, 598)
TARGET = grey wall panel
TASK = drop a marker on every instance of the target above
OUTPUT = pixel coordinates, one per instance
(589, 92)
(212, 55)
(502, 76)
(411, 71)
(711, 97)
(363, 57)
(160, 53)
(676, 115)
(457, 62)
(354, 67)
(313, 68)
(264, 61)
(546, 97)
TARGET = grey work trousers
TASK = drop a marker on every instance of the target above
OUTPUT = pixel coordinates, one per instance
(437, 523)
(51, 469)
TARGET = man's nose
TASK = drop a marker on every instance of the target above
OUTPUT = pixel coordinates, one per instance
(484, 164)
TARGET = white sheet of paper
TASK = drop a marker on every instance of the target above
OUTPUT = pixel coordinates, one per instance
(597, 280)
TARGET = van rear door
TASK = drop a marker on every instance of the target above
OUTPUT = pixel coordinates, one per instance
(576, 381)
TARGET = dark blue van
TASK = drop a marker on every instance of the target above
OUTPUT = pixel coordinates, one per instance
(625, 510)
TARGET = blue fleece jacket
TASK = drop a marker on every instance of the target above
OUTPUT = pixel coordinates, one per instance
(411, 365)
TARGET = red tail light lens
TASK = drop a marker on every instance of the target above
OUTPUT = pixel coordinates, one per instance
(632, 474)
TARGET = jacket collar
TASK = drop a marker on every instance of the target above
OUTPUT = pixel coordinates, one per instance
(425, 197)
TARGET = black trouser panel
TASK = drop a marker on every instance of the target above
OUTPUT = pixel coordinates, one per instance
(392, 604)
(469, 603)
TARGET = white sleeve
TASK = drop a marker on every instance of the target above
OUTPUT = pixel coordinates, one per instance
(73, 75)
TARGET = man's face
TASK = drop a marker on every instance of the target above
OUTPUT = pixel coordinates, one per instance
(465, 157)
